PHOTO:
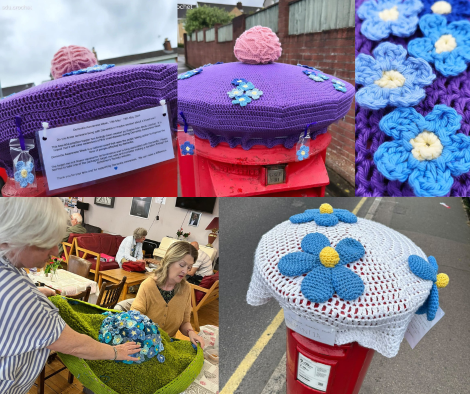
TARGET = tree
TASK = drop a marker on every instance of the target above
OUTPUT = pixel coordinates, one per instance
(204, 16)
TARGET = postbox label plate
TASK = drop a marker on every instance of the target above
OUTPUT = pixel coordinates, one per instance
(312, 374)
(275, 175)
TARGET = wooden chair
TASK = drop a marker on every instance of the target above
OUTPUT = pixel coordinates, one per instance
(209, 296)
(87, 252)
(83, 296)
(110, 293)
(68, 253)
(79, 266)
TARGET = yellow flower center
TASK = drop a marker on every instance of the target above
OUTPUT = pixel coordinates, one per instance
(242, 99)
(441, 8)
(446, 43)
(442, 281)
(302, 153)
(426, 146)
(389, 15)
(187, 148)
(391, 79)
(326, 208)
(253, 93)
(329, 257)
(24, 173)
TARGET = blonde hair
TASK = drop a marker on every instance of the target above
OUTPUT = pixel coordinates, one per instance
(176, 252)
(31, 221)
(140, 233)
(77, 217)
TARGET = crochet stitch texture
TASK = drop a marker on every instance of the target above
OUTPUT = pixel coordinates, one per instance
(426, 151)
(258, 45)
(459, 9)
(389, 78)
(325, 216)
(71, 58)
(385, 17)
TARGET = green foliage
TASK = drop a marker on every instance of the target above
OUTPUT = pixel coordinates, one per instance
(204, 16)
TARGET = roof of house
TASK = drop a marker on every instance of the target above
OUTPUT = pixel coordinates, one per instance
(15, 89)
(229, 7)
(137, 57)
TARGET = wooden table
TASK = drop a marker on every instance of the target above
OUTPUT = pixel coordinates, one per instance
(116, 275)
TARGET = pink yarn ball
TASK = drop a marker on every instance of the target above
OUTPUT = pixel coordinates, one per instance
(258, 45)
(71, 58)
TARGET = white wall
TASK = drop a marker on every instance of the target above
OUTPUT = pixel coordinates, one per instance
(118, 221)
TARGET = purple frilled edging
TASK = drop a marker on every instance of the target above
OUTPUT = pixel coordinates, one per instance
(452, 91)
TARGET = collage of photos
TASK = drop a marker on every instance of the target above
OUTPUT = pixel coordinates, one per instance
(295, 142)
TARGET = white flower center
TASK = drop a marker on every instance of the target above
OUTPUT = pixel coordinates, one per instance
(441, 8)
(426, 146)
(446, 43)
(24, 173)
(391, 79)
(389, 15)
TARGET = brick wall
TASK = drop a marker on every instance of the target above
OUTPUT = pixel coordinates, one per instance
(331, 51)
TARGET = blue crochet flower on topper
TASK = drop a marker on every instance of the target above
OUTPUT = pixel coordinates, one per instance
(391, 78)
(187, 148)
(452, 10)
(427, 270)
(325, 216)
(302, 153)
(341, 86)
(235, 92)
(325, 267)
(255, 94)
(93, 69)
(23, 174)
(385, 17)
(190, 73)
(426, 151)
(246, 86)
(243, 100)
(238, 81)
(447, 46)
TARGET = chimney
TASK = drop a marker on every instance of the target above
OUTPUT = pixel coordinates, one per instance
(239, 6)
(167, 45)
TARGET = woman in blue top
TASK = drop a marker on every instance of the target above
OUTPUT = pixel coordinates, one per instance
(30, 326)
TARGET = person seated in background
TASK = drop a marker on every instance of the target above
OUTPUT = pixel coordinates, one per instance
(76, 228)
(202, 267)
(131, 247)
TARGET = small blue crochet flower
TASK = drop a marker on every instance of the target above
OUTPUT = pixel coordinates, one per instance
(242, 100)
(447, 46)
(152, 352)
(302, 153)
(325, 216)
(428, 271)
(341, 86)
(452, 10)
(88, 70)
(385, 17)
(246, 86)
(391, 78)
(108, 337)
(426, 151)
(325, 267)
(235, 92)
(255, 94)
(238, 81)
(187, 148)
(190, 73)
(23, 174)
(117, 339)
(161, 358)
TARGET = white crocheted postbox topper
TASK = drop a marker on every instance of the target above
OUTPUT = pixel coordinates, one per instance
(392, 294)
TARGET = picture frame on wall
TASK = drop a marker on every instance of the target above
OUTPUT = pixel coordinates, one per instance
(194, 219)
(107, 202)
(140, 207)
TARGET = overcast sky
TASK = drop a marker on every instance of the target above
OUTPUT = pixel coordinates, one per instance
(30, 37)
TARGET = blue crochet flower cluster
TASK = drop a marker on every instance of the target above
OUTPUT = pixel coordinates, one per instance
(187, 148)
(190, 73)
(452, 10)
(426, 151)
(385, 17)
(132, 326)
(244, 92)
(92, 69)
(339, 85)
(23, 174)
(325, 268)
(389, 78)
(325, 216)
(427, 270)
(447, 46)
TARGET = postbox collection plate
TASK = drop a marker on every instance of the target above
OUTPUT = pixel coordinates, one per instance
(275, 175)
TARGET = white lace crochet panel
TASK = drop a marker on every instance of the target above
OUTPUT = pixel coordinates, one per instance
(379, 318)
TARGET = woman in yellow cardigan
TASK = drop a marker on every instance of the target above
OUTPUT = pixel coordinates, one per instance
(165, 298)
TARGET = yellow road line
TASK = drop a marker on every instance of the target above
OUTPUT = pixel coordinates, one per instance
(358, 206)
(252, 355)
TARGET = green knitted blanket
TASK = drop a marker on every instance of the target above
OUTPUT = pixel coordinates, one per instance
(182, 363)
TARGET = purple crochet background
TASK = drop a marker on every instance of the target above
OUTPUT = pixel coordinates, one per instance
(452, 91)
(85, 97)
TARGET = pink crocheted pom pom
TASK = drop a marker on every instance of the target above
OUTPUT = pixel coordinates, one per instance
(258, 45)
(71, 58)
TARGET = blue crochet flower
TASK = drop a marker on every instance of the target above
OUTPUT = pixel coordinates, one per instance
(152, 352)
(187, 148)
(385, 17)
(190, 73)
(452, 10)
(117, 339)
(425, 151)
(246, 86)
(339, 85)
(23, 174)
(255, 94)
(235, 92)
(88, 70)
(108, 337)
(242, 100)
(302, 153)
(391, 78)
(325, 267)
(447, 46)
(161, 358)
(428, 271)
(238, 81)
(325, 216)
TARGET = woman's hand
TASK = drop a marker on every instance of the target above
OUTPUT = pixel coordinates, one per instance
(46, 291)
(126, 349)
(195, 339)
